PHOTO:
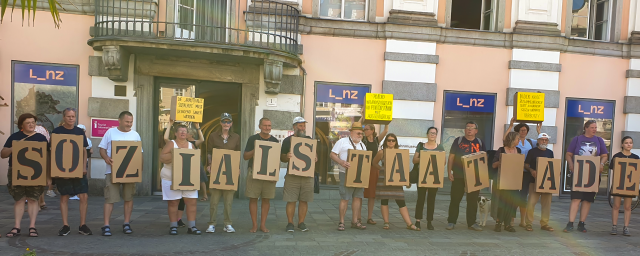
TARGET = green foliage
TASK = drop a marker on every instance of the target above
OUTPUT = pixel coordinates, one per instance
(30, 6)
(30, 253)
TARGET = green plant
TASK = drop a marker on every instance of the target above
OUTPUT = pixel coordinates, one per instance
(30, 253)
(30, 7)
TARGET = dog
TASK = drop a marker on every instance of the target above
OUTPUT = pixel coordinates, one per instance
(484, 207)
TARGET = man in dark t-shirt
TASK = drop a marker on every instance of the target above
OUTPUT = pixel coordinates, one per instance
(465, 145)
(73, 186)
(255, 189)
(531, 164)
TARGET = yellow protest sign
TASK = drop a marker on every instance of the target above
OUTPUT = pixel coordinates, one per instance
(528, 106)
(187, 109)
(378, 108)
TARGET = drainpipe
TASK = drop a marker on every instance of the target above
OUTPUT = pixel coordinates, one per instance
(304, 89)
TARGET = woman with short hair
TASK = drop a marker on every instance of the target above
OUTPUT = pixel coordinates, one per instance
(428, 193)
(372, 142)
(507, 198)
(27, 132)
(627, 145)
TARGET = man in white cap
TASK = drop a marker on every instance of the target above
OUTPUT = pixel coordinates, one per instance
(296, 188)
(545, 198)
(339, 154)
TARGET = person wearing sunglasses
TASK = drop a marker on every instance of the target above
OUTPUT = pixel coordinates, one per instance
(73, 186)
(386, 193)
(221, 139)
(339, 155)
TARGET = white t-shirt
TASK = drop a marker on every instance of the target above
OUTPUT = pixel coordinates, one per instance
(342, 146)
(114, 134)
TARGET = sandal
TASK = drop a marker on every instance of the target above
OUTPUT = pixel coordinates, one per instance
(370, 221)
(418, 228)
(509, 228)
(33, 232)
(412, 227)
(203, 199)
(173, 231)
(194, 231)
(358, 225)
(386, 225)
(340, 226)
(529, 227)
(44, 206)
(547, 228)
(13, 234)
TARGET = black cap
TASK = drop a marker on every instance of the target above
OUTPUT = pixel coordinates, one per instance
(225, 116)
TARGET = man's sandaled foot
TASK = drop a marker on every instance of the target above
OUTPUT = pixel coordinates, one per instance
(371, 221)
(33, 232)
(358, 225)
(341, 226)
(12, 233)
(264, 229)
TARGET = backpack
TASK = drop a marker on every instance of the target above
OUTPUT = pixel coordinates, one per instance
(479, 141)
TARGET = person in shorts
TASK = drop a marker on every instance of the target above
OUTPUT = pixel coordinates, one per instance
(296, 188)
(586, 144)
(112, 190)
(68, 187)
(262, 189)
(339, 155)
(26, 126)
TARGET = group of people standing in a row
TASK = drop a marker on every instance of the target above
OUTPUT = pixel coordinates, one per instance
(299, 190)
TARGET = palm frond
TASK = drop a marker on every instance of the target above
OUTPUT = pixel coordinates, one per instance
(30, 6)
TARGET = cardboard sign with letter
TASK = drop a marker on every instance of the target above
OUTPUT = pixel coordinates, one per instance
(510, 171)
(431, 172)
(186, 169)
(378, 108)
(127, 161)
(187, 109)
(625, 176)
(29, 163)
(67, 156)
(303, 162)
(585, 173)
(357, 176)
(396, 163)
(266, 160)
(225, 169)
(528, 106)
(476, 171)
(548, 175)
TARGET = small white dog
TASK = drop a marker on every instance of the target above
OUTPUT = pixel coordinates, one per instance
(484, 207)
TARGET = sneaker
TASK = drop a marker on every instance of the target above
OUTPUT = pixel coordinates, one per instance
(106, 231)
(85, 230)
(581, 227)
(126, 228)
(74, 198)
(498, 227)
(65, 230)
(302, 227)
(211, 229)
(290, 227)
(429, 226)
(614, 230)
(475, 227)
(181, 224)
(51, 193)
(229, 229)
(450, 226)
(568, 228)
(625, 231)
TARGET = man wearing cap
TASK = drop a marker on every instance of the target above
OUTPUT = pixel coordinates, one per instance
(339, 154)
(545, 198)
(221, 139)
(296, 188)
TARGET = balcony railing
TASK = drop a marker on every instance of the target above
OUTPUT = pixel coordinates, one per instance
(265, 24)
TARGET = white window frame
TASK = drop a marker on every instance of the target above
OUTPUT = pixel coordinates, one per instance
(497, 15)
(183, 33)
(492, 20)
(366, 12)
(591, 22)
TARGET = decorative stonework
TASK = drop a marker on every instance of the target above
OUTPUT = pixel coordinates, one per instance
(272, 76)
(533, 27)
(412, 18)
(116, 61)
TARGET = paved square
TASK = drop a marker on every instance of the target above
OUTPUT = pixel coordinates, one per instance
(150, 237)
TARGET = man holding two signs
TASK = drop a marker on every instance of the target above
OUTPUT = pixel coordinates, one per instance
(112, 190)
(259, 188)
(339, 154)
(27, 133)
(71, 186)
(587, 144)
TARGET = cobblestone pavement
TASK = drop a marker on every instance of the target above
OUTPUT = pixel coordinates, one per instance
(150, 237)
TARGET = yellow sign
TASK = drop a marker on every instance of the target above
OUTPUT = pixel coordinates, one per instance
(378, 107)
(187, 109)
(529, 106)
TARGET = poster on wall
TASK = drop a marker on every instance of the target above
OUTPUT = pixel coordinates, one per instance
(45, 90)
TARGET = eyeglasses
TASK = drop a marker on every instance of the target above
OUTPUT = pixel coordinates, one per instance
(226, 122)
(433, 133)
(391, 140)
(470, 128)
(359, 133)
